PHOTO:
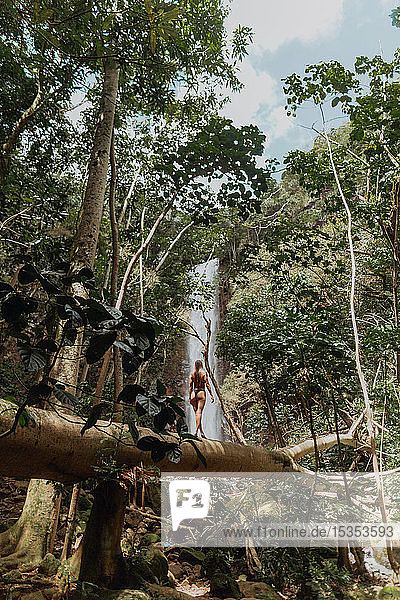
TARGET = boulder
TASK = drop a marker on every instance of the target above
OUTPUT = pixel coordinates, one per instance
(389, 592)
(176, 570)
(49, 565)
(259, 590)
(158, 563)
(150, 538)
(192, 556)
(224, 586)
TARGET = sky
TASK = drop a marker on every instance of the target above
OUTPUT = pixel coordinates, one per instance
(289, 34)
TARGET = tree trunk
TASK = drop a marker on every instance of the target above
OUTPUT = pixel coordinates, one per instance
(84, 252)
(102, 562)
(27, 541)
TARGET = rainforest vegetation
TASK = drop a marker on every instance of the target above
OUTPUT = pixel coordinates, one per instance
(118, 175)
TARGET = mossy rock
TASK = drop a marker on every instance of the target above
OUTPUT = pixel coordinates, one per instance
(158, 563)
(389, 592)
(90, 591)
(192, 556)
(258, 589)
(224, 586)
(150, 538)
(49, 565)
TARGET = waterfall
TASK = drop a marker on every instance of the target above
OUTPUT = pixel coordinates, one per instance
(212, 414)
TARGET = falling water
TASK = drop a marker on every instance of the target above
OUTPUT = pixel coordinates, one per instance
(212, 414)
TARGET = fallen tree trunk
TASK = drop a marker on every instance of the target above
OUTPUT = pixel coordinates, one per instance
(51, 446)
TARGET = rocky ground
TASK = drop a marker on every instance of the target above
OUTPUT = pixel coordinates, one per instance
(177, 574)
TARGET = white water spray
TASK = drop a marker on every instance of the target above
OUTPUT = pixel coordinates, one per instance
(212, 414)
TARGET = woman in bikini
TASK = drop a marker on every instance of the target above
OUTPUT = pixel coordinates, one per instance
(197, 393)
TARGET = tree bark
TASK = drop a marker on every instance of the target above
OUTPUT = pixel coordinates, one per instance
(87, 235)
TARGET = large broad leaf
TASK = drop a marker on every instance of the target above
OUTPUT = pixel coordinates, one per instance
(163, 418)
(48, 345)
(94, 416)
(174, 453)
(5, 289)
(15, 305)
(148, 406)
(33, 359)
(95, 311)
(181, 426)
(38, 392)
(129, 394)
(70, 334)
(63, 300)
(147, 443)
(51, 288)
(74, 317)
(130, 364)
(140, 340)
(159, 452)
(142, 325)
(63, 396)
(98, 346)
(161, 388)
(27, 274)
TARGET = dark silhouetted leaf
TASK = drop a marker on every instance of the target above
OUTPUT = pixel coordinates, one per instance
(15, 305)
(70, 334)
(38, 393)
(124, 347)
(161, 388)
(33, 359)
(5, 289)
(47, 345)
(94, 416)
(27, 274)
(98, 346)
(178, 410)
(158, 452)
(133, 430)
(84, 273)
(174, 453)
(61, 268)
(62, 300)
(129, 394)
(49, 286)
(63, 396)
(148, 442)
(74, 318)
(130, 364)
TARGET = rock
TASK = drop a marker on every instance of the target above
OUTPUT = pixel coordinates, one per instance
(92, 592)
(12, 575)
(167, 593)
(49, 565)
(176, 570)
(33, 596)
(256, 589)
(224, 586)
(158, 563)
(389, 592)
(150, 538)
(172, 580)
(133, 518)
(196, 570)
(191, 556)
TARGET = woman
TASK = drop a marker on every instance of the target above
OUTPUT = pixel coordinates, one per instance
(197, 393)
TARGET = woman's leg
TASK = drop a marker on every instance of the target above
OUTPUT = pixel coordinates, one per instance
(201, 400)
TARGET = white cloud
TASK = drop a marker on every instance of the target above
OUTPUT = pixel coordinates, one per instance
(277, 22)
(279, 124)
(258, 88)
(274, 23)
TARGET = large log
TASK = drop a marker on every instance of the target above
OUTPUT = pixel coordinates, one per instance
(51, 447)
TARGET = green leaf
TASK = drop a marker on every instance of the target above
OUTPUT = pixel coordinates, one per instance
(161, 388)
(98, 346)
(33, 359)
(94, 416)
